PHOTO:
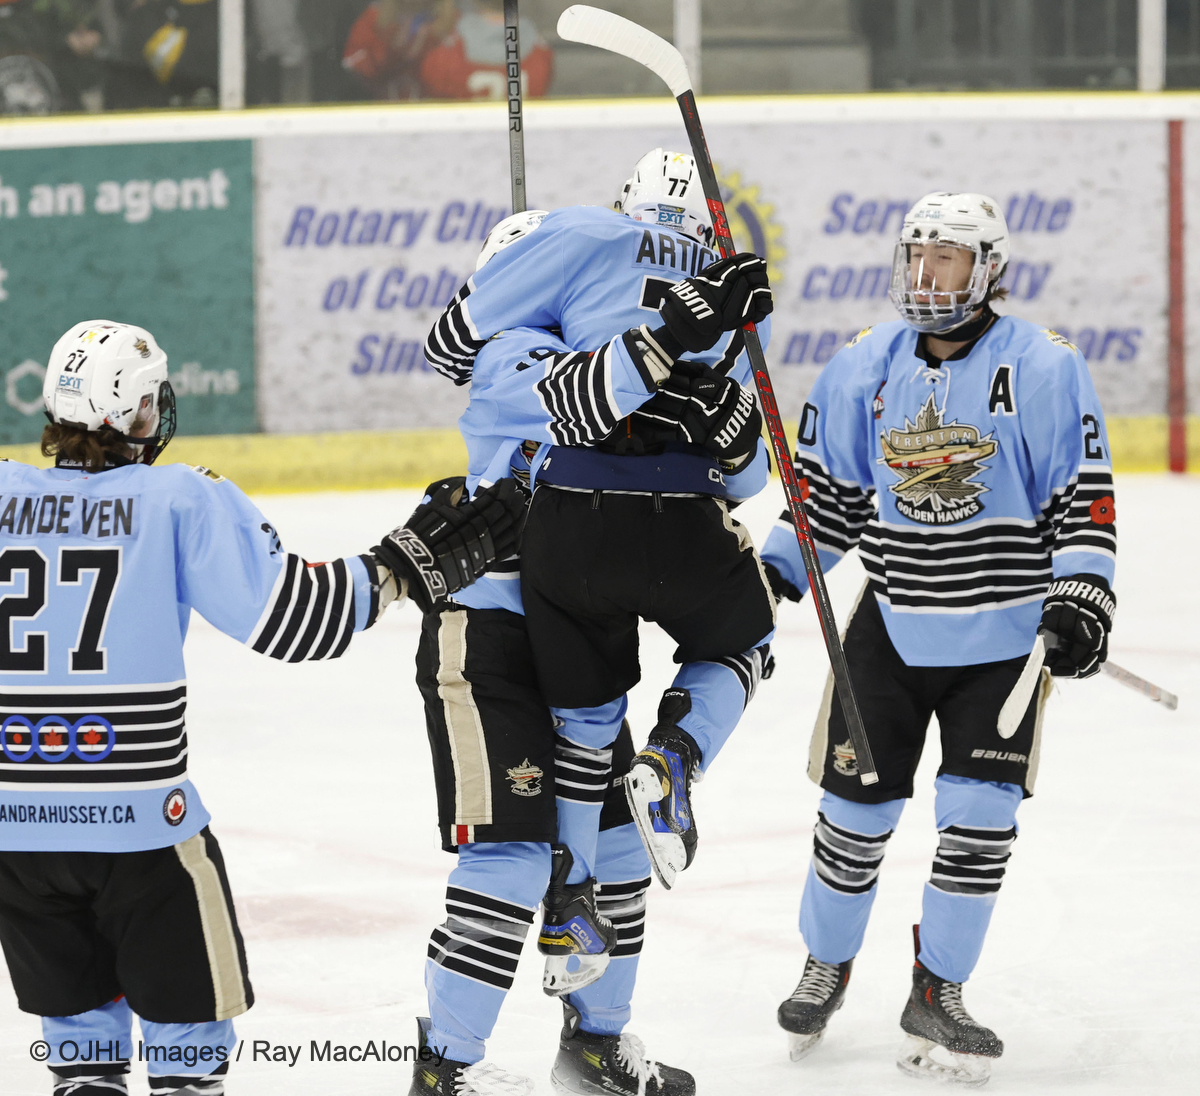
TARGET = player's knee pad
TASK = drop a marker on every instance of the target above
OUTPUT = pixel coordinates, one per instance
(623, 871)
(491, 901)
(581, 773)
(849, 841)
(977, 826)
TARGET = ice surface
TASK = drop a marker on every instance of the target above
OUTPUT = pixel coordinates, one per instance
(319, 781)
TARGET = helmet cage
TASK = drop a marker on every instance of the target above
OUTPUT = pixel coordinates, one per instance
(932, 309)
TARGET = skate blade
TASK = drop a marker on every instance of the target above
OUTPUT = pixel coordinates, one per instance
(801, 1046)
(558, 981)
(925, 1058)
(667, 855)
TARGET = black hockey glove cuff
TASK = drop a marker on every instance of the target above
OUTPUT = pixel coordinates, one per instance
(723, 297)
(780, 587)
(448, 543)
(1077, 616)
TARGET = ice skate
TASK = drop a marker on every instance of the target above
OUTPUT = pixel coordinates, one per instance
(617, 1064)
(942, 1041)
(572, 928)
(819, 995)
(659, 786)
(448, 1078)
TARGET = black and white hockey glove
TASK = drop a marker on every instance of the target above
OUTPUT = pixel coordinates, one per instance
(730, 293)
(707, 408)
(448, 543)
(1077, 616)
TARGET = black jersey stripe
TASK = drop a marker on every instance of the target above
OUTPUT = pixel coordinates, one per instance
(50, 698)
(464, 902)
(316, 617)
(279, 609)
(341, 586)
(297, 611)
(451, 347)
(574, 392)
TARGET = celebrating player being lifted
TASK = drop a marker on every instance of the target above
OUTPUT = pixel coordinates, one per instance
(113, 893)
(964, 453)
(533, 394)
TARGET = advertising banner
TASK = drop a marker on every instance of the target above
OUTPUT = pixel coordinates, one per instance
(159, 235)
(363, 239)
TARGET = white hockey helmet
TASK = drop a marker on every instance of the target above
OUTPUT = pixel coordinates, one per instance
(665, 190)
(967, 222)
(509, 231)
(105, 374)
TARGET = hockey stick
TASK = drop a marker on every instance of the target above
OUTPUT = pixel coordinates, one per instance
(1140, 685)
(516, 118)
(594, 27)
(1018, 700)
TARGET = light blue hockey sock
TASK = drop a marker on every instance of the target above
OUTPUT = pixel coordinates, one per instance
(582, 772)
(491, 900)
(623, 874)
(977, 825)
(180, 1055)
(102, 1037)
(848, 845)
(720, 691)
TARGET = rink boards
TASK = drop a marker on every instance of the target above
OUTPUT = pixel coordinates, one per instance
(293, 261)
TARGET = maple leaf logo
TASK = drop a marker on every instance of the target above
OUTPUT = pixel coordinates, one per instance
(91, 736)
(54, 738)
(936, 463)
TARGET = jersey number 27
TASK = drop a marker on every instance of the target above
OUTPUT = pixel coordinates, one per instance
(87, 656)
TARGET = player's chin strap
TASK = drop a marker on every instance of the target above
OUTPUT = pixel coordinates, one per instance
(969, 331)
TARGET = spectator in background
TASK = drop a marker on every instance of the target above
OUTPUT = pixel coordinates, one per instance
(52, 55)
(389, 40)
(176, 43)
(469, 62)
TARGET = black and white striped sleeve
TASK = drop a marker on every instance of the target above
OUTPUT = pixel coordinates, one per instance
(838, 510)
(576, 394)
(454, 339)
(1082, 514)
(584, 394)
(310, 613)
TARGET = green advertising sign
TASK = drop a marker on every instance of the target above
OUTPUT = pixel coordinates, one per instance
(156, 235)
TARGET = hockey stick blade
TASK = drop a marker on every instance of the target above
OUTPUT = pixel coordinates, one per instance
(1017, 703)
(596, 27)
(1140, 685)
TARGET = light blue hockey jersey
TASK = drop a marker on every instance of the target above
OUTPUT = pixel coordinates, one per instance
(587, 272)
(966, 487)
(98, 578)
(528, 386)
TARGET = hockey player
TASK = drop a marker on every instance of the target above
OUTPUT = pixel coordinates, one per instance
(965, 454)
(637, 503)
(113, 893)
(500, 767)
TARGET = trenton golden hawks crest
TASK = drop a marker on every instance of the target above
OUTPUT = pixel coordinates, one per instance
(936, 462)
(526, 779)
